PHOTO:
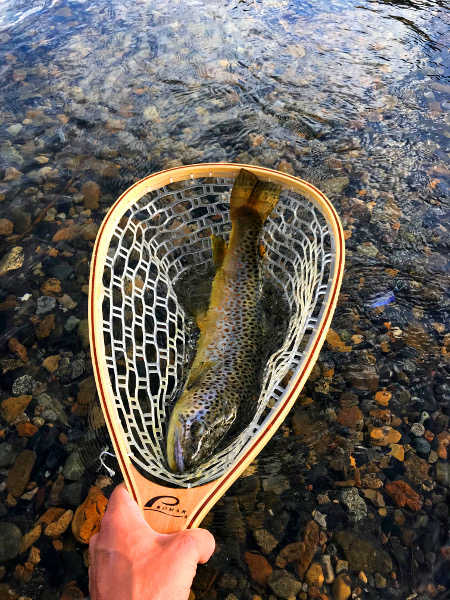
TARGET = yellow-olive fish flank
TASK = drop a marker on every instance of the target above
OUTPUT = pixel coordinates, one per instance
(224, 378)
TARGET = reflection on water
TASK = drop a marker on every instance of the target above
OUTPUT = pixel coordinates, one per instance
(352, 96)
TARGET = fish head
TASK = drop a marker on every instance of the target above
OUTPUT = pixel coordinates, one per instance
(196, 426)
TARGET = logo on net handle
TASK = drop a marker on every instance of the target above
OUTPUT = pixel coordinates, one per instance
(167, 505)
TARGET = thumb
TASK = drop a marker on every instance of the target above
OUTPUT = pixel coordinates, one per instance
(122, 510)
(204, 542)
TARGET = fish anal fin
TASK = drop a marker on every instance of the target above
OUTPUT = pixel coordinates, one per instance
(219, 249)
(197, 373)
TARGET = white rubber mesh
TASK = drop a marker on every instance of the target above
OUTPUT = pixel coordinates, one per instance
(165, 233)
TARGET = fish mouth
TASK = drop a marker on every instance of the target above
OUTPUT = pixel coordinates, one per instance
(178, 451)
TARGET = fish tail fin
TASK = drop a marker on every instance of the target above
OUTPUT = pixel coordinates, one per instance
(249, 194)
(264, 199)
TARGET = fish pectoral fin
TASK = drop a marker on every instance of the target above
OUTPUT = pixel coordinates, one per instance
(197, 373)
(200, 318)
(219, 249)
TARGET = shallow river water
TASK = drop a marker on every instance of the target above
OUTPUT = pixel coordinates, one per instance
(350, 498)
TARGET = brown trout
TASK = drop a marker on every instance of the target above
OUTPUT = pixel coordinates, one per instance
(226, 373)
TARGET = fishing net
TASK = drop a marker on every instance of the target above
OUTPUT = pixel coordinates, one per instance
(142, 330)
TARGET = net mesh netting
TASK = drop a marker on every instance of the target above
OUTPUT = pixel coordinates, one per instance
(164, 235)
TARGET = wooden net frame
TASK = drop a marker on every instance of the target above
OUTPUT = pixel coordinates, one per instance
(155, 232)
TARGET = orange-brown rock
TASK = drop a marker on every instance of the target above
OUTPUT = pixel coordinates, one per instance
(350, 417)
(286, 167)
(383, 436)
(335, 341)
(52, 287)
(67, 233)
(91, 194)
(51, 515)
(45, 327)
(26, 429)
(20, 473)
(86, 391)
(403, 495)
(11, 408)
(72, 593)
(88, 515)
(444, 441)
(51, 363)
(55, 529)
(397, 451)
(341, 588)
(6, 227)
(30, 537)
(259, 567)
(7, 593)
(383, 397)
(9, 303)
(18, 349)
(56, 490)
(24, 574)
(34, 555)
(89, 231)
(314, 575)
(416, 469)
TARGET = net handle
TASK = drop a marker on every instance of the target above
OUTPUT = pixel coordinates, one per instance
(196, 502)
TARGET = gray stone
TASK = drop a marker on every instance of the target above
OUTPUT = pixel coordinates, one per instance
(367, 250)
(7, 455)
(27, 308)
(227, 581)
(20, 218)
(422, 446)
(77, 368)
(10, 154)
(335, 186)
(23, 385)
(71, 323)
(276, 484)
(83, 333)
(74, 467)
(52, 404)
(45, 304)
(363, 554)
(417, 429)
(14, 129)
(355, 504)
(49, 416)
(265, 540)
(73, 494)
(10, 538)
(443, 473)
(283, 584)
(66, 302)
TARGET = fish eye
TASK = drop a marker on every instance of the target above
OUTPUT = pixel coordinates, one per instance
(197, 428)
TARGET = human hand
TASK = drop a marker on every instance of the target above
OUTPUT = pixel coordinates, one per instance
(130, 561)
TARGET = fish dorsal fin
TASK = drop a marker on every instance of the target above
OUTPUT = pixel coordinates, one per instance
(197, 373)
(219, 249)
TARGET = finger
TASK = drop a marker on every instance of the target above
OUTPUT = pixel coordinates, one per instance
(204, 541)
(122, 510)
(93, 542)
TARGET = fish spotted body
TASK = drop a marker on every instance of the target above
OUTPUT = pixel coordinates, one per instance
(225, 376)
